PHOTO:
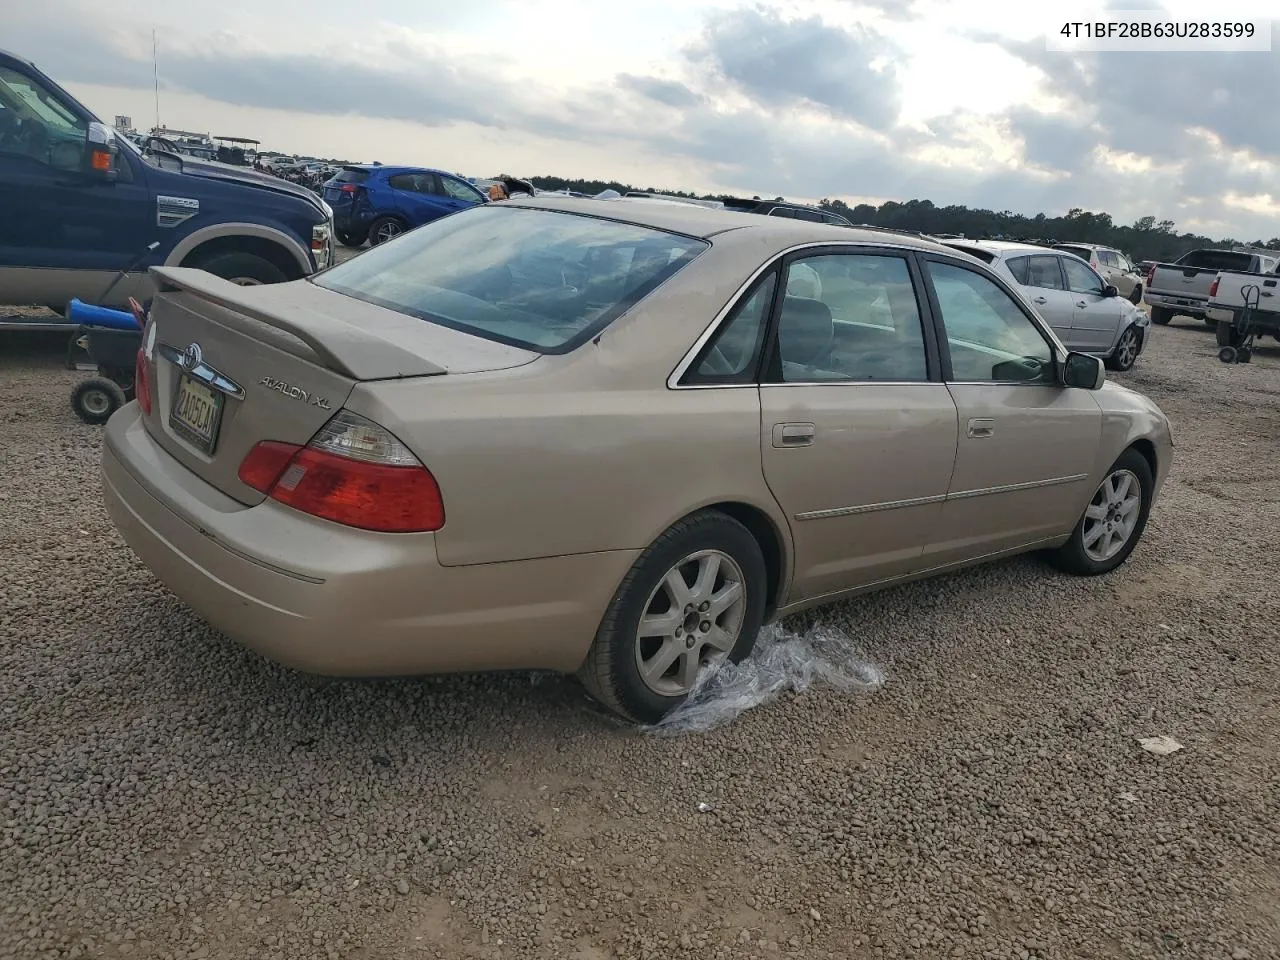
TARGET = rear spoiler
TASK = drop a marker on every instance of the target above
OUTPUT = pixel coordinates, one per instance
(352, 351)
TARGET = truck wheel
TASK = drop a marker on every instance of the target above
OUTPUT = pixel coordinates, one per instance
(1209, 321)
(245, 269)
(1161, 315)
(1227, 335)
(384, 229)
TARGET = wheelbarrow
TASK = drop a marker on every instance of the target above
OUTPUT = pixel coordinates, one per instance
(111, 340)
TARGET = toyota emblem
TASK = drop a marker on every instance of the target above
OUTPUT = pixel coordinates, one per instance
(191, 357)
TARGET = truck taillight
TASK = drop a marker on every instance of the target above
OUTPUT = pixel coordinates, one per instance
(353, 472)
(1213, 288)
(348, 188)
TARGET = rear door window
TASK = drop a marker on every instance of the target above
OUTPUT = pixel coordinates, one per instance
(1045, 272)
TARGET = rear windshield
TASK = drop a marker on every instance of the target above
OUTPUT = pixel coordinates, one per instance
(1218, 260)
(350, 175)
(1084, 253)
(536, 279)
(986, 256)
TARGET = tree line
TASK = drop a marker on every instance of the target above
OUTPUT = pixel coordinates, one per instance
(1144, 239)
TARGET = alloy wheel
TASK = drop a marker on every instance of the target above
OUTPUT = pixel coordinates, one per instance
(1127, 349)
(1112, 515)
(692, 619)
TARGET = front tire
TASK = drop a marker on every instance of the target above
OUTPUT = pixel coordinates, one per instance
(1161, 316)
(244, 269)
(384, 229)
(1125, 354)
(692, 601)
(1113, 522)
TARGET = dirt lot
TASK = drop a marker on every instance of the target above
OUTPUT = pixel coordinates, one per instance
(166, 794)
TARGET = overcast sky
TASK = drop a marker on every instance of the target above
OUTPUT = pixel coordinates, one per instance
(955, 101)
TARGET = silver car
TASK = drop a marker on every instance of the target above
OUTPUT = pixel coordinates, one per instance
(1086, 312)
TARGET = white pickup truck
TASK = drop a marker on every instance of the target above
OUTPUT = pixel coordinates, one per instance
(1241, 304)
(1181, 288)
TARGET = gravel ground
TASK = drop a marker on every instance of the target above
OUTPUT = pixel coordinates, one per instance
(166, 794)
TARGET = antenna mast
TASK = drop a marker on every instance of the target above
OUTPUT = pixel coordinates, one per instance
(155, 72)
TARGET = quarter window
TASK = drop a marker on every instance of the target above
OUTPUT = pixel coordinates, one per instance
(989, 338)
(1018, 267)
(850, 317)
(1081, 279)
(730, 356)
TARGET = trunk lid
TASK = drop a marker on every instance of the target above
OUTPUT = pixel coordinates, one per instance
(232, 366)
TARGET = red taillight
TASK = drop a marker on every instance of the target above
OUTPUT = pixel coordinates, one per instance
(354, 473)
(142, 381)
(1151, 275)
(1213, 288)
(348, 188)
(264, 464)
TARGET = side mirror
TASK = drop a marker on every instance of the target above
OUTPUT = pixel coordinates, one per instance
(1109, 290)
(100, 153)
(1083, 371)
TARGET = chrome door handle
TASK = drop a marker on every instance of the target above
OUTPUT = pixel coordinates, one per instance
(1040, 300)
(793, 434)
(980, 429)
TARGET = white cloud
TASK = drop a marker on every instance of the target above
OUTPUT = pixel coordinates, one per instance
(957, 101)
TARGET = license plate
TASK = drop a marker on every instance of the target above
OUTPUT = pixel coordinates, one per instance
(197, 413)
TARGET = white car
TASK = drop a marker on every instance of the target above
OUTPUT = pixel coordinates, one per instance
(1087, 313)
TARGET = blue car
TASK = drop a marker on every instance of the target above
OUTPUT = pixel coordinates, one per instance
(375, 203)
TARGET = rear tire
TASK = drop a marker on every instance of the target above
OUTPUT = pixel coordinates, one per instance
(1161, 316)
(96, 399)
(1135, 295)
(1209, 321)
(354, 238)
(1107, 517)
(385, 228)
(644, 677)
(245, 269)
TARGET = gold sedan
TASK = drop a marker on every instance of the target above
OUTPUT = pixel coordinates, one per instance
(609, 438)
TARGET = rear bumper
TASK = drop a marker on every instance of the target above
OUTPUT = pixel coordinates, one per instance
(1182, 305)
(328, 599)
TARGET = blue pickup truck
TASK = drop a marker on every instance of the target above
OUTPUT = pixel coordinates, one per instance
(85, 210)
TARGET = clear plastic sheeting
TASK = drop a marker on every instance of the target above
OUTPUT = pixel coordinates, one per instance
(780, 661)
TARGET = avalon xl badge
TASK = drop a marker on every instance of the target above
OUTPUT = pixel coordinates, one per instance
(297, 393)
